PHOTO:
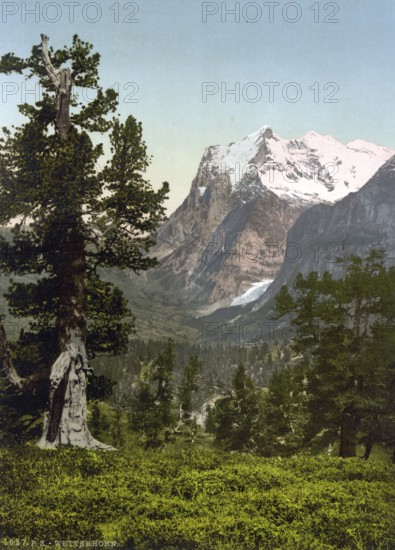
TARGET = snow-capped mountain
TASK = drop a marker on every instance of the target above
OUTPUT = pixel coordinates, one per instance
(230, 231)
(313, 168)
(353, 226)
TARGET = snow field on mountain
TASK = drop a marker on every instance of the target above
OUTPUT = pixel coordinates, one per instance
(313, 168)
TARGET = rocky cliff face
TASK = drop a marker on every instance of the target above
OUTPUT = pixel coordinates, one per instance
(230, 231)
(361, 221)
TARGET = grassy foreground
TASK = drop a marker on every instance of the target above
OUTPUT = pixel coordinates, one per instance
(195, 499)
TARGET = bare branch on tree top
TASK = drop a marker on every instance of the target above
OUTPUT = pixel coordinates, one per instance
(47, 62)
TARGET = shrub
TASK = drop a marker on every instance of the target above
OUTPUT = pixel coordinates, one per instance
(196, 500)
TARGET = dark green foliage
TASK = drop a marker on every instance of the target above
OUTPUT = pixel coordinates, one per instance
(99, 388)
(106, 310)
(280, 430)
(20, 416)
(209, 424)
(188, 387)
(345, 338)
(217, 362)
(202, 500)
(235, 415)
(151, 405)
(75, 216)
(99, 424)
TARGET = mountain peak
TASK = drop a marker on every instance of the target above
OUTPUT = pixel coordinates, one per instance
(257, 137)
(312, 133)
(311, 169)
(266, 132)
(244, 198)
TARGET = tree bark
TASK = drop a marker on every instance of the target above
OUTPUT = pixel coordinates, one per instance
(63, 84)
(348, 433)
(368, 445)
(370, 438)
(66, 421)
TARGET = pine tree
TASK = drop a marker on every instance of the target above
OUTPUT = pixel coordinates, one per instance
(281, 423)
(151, 409)
(345, 328)
(188, 387)
(236, 414)
(74, 218)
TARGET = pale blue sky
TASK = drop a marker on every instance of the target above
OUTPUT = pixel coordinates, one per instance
(170, 52)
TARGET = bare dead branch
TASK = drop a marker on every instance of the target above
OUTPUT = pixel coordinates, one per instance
(47, 62)
(63, 83)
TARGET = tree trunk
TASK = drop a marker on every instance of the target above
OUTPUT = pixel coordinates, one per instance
(370, 438)
(66, 420)
(63, 96)
(348, 433)
(368, 445)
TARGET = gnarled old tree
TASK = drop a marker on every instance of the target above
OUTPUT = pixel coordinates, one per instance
(72, 218)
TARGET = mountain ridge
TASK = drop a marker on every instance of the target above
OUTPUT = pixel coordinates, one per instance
(246, 196)
(360, 221)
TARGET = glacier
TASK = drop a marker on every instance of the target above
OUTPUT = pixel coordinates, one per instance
(253, 293)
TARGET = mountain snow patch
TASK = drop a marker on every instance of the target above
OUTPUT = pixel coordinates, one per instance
(253, 293)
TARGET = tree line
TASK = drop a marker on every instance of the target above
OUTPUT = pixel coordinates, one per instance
(340, 385)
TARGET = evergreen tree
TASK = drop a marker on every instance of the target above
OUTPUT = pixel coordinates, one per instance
(281, 424)
(73, 219)
(346, 328)
(95, 421)
(209, 423)
(188, 387)
(151, 408)
(235, 415)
